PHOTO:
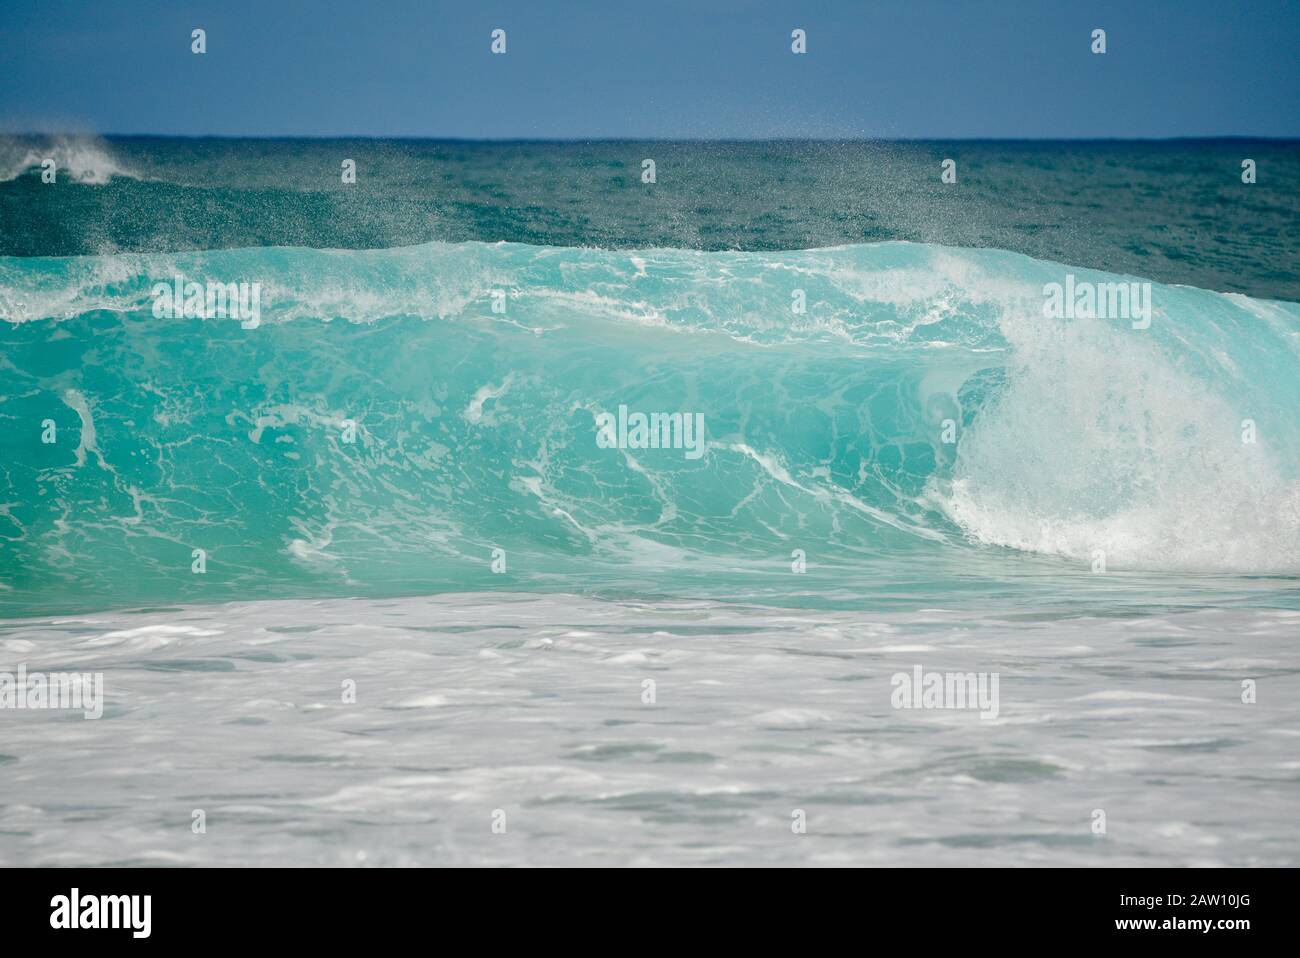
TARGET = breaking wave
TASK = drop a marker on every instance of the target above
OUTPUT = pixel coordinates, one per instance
(918, 408)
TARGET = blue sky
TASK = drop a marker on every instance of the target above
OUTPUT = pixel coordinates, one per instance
(653, 68)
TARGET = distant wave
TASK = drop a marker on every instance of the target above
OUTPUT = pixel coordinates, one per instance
(83, 159)
(476, 428)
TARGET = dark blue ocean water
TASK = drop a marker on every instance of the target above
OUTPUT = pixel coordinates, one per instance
(1174, 211)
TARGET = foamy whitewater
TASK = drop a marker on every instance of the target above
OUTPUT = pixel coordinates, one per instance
(532, 705)
(391, 483)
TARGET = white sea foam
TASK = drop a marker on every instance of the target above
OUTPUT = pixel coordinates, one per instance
(533, 704)
(1104, 441)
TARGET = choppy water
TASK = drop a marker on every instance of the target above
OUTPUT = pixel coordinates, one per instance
(918, 469)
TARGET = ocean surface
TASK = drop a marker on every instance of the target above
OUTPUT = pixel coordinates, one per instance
(367, 586)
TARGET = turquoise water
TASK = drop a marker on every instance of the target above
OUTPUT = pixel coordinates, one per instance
(476, 430)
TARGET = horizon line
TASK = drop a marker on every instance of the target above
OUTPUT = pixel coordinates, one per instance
(662, 139)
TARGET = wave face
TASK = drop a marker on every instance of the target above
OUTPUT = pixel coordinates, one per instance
(922, 413)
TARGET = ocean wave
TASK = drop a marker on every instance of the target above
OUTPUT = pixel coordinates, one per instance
(886, 403)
